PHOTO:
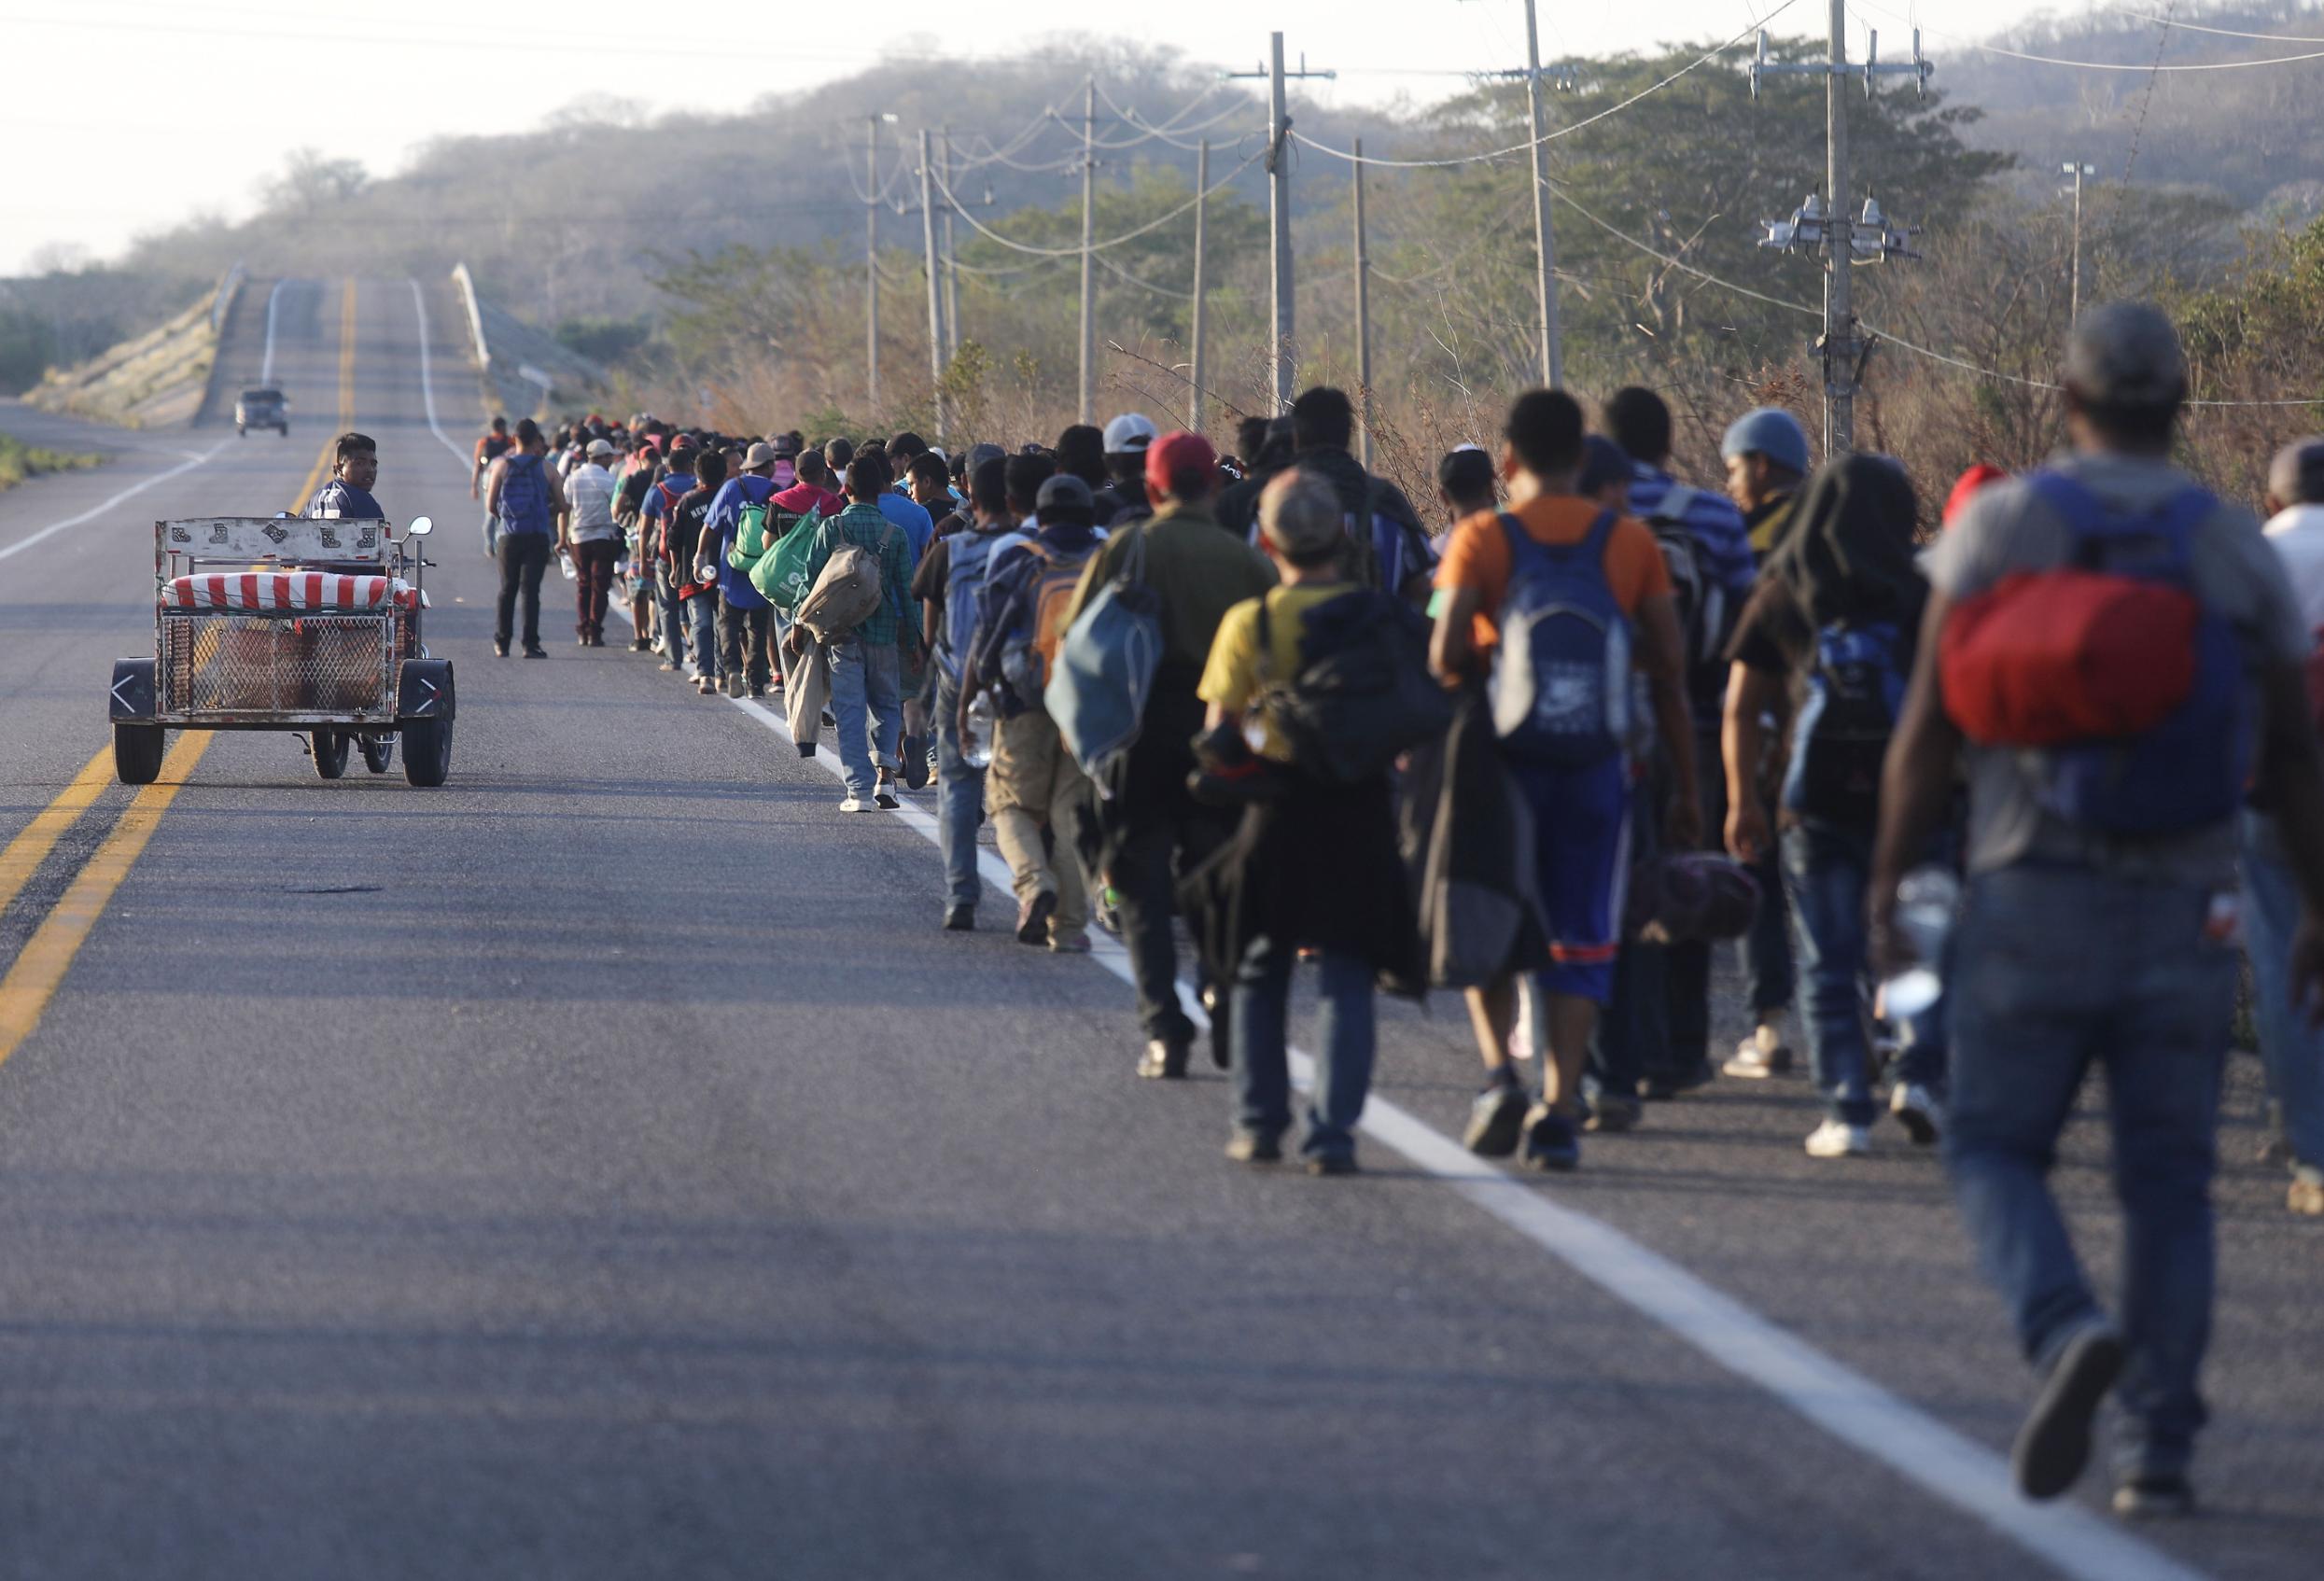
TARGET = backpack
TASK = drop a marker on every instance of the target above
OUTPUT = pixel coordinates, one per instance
(1363, 696)
(757, 529)
(966, 564)
(1560, 684)
(2127, 693)
(1839, 741)
(1703, 616)
(1028, 658)
(845, 594)
(1104, 667)
(781, 573)
(524, 495)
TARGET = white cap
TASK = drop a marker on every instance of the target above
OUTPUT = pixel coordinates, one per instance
(1129, 432)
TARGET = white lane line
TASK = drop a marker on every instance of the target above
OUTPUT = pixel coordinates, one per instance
(428, 385)
(266, 366)
(1835, 1397)
(193, 460)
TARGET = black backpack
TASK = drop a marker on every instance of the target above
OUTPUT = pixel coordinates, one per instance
(1363, 695)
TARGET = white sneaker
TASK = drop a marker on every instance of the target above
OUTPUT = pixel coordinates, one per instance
(1755, 1061)
(1835, 1139)
(1919, 1111)
(851, 805)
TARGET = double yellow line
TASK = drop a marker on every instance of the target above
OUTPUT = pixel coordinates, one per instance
(36, 973)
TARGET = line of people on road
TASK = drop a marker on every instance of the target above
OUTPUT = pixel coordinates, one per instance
(1984, 809)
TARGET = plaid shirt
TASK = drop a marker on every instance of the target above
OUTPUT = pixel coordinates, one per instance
(862, 524)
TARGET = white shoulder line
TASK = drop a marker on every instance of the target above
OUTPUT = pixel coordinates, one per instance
(428, 378)
(1836, 1398)
(95, 512)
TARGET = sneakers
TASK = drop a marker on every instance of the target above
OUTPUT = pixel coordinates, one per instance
(1496, 1119)
(737, 686)
(1249, 1147)
(1755, 1062)
(641, 645)
(1162, 1061)
(1613, 1112)
(1920, 1111)
(852, 805)
(885, 799)
(1333, 1163)
(1551, 1143)
(2164, 1497)
(500, 647)
(2054, 1445)
(1663, 1088)
(1032, 918)
(960, 919)
(535, 650)
(1836, 1138)
(915, 762)
(1070, 944)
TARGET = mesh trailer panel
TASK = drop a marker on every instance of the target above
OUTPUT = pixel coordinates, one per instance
(230, 669)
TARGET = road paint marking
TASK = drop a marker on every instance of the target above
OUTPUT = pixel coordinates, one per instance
(328, 458)
(266, 365)
(40, 971)
(428, 378)
(28, 850)
(95, 512)
(1833, 1396)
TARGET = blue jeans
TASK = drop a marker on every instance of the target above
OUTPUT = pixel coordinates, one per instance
(1827, 873)
(865, 703)
(1343, 1073)
(702, 632)
(2289, 1048)
(673, 610)
(2056, 968)
(960, 800)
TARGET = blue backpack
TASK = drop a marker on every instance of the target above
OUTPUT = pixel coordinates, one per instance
(2193, 768)
(1104, 668)
(1560, 687)
(524, 495)
(967, 564)
(1854, 694)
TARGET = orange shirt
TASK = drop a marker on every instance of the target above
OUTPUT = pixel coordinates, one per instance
(1477, 556)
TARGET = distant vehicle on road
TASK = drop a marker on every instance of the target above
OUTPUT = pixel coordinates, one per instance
(261, 408)
(314, 630)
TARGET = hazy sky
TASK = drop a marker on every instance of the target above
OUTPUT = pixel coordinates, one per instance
(128, 115)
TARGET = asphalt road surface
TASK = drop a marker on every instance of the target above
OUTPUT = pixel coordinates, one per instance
(604, 1167)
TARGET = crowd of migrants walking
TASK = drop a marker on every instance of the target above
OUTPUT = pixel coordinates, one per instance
(1983, 796)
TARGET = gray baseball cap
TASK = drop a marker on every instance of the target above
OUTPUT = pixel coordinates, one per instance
(760, 454)
(1770, 431)
(1064, 491)
(2126, 354)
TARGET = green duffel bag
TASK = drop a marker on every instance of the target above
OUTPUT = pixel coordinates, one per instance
(781, 573)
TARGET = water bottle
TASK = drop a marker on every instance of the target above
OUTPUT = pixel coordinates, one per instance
(565, 564)
(1926, 902)
(976, 737)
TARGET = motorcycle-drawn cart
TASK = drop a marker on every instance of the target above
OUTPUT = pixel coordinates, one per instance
(291, 624)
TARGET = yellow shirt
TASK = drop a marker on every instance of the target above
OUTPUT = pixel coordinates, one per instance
(1231, 679)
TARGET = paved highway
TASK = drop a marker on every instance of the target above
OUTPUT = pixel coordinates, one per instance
(603, 1166)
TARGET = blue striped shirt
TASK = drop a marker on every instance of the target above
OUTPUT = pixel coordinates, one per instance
(1722, 542)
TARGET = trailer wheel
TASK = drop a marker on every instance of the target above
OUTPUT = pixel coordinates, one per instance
(379, 751)
(426, 750)
(138, 753)
(331, 752)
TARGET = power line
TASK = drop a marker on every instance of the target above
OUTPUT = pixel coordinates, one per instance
(2109, 65)
(1705, 59)
(991, 234)
(2222, 31)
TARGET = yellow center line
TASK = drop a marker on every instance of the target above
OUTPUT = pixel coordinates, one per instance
(28, 850)
(324, 461)
(40, 971)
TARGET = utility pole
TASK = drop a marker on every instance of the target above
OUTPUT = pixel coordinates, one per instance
(1842, 352)
(2077, 170)
(1089, 319)
(952, 272)
(1202, 185)
(935, 286)
(1545, 245)
(1279, 282)
(871, 261)
(1363, 314)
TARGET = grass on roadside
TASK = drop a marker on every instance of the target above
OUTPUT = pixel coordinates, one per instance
(19, 461)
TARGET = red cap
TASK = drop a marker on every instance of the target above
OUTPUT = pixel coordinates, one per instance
(684, 441)
(1175, 460)
(1966, 486)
